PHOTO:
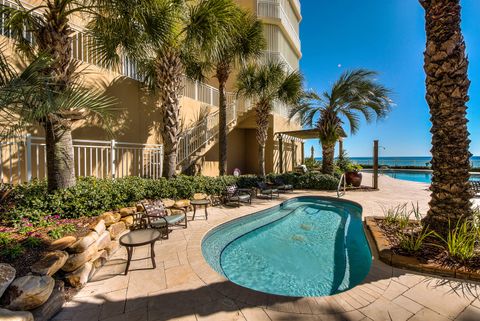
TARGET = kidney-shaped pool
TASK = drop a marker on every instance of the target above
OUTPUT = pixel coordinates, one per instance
(306, 246)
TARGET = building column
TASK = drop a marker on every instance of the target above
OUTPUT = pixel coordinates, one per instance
(303, 152)
(375, 164)
(280, 153)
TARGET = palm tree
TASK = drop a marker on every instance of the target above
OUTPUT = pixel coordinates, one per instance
(163, 37)
(354, 94)
(246, 43)
(447, 85)
(51, 38)
(267, 84)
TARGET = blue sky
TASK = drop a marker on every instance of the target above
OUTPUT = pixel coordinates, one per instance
(387, 36)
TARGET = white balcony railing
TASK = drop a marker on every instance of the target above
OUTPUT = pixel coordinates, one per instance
(275, 9)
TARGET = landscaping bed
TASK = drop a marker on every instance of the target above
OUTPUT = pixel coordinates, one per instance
(405, 243)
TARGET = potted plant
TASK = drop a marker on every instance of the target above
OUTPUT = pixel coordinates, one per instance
(353, 175)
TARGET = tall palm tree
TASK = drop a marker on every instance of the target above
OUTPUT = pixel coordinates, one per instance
(447, 85)
(51, 38)
(265, 85)
(163, 37)
(246, 43)
(354, 94)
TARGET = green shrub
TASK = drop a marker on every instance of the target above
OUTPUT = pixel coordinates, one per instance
(30, 204)
(412, 241)
(460, 241)
(62, 230)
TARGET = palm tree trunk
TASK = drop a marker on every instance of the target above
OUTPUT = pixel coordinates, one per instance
(263, 113)
(447, 94)
(60, 157)
(223, 72)
(328, 155)
(169, 83)
(55, 40)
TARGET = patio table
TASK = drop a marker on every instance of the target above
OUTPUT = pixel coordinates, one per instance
(199, 203)
(139, 238)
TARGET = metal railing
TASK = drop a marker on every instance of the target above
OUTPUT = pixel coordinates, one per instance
(275, 9)
(25, 158)
(341, 191)
(196, 138)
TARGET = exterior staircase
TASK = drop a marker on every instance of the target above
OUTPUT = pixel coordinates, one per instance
(195, 142)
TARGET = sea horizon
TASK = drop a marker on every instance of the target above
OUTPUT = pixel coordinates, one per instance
(401, 160)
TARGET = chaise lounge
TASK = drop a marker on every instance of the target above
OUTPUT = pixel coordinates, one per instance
(282, 187)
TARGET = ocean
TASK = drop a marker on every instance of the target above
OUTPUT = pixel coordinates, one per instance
(416, 161)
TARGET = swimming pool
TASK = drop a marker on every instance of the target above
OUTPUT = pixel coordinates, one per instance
(416, 175)
(307, 246)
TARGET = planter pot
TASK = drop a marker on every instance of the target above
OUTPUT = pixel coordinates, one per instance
(353, 178)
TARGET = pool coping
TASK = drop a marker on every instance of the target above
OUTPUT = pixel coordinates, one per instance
(386, 255)
(368, 291)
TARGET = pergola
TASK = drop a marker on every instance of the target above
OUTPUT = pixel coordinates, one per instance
(299, 136)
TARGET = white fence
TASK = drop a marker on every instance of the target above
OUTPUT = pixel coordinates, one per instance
(24, 159)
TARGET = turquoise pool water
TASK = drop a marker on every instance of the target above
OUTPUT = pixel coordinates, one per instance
(416, 176)
(308, 246)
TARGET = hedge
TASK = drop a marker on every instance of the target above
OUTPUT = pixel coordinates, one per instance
(92, 196)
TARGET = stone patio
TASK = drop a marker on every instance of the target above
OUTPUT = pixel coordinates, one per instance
(184, 287)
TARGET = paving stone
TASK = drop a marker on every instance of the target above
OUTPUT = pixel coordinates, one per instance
(428, 315)
(471, 313)
(7, 275)
(385, 310)
(448, 298)
(50, 263)
(408, 304)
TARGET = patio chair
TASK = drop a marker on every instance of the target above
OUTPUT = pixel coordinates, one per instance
(475, 188)
(265, 190)
(233, 194)
(281, 186)
(156, 217)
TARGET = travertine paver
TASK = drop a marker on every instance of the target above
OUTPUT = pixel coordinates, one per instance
(184, 287)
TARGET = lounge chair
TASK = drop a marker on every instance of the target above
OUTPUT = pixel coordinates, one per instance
(157, 217)
(281, 186)
(233, 194)
(475, 188)
(265, 190)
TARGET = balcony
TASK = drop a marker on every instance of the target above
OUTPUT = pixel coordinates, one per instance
(275, 9)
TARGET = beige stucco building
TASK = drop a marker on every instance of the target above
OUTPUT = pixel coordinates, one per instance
(137, 118)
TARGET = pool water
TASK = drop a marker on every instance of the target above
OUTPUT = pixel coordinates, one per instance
(417, 176)
(305, 247)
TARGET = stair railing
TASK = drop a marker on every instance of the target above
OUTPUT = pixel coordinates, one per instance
(342, 188)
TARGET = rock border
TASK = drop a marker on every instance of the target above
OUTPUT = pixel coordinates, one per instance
(386, 255)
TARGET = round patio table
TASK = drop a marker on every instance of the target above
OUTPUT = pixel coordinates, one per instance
(140, 238)
(198, 203)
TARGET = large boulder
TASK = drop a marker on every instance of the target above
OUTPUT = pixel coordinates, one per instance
(53, 305)
(80, 276)
(28, 292)
(112, 248)
(83, 243)
(128, 211)
(200, 196)
(103, 241)
(7, 275)
(168, 202)
(182, 204)
(99, 227)
(50, 263)
(77, 260)
(110, 218)
(7, 315)
(116, 229)
(99, 259)
(128, 220)
(62, 244)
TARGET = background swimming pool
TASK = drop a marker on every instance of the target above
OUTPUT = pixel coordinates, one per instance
(416, 176)
(307, 247)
